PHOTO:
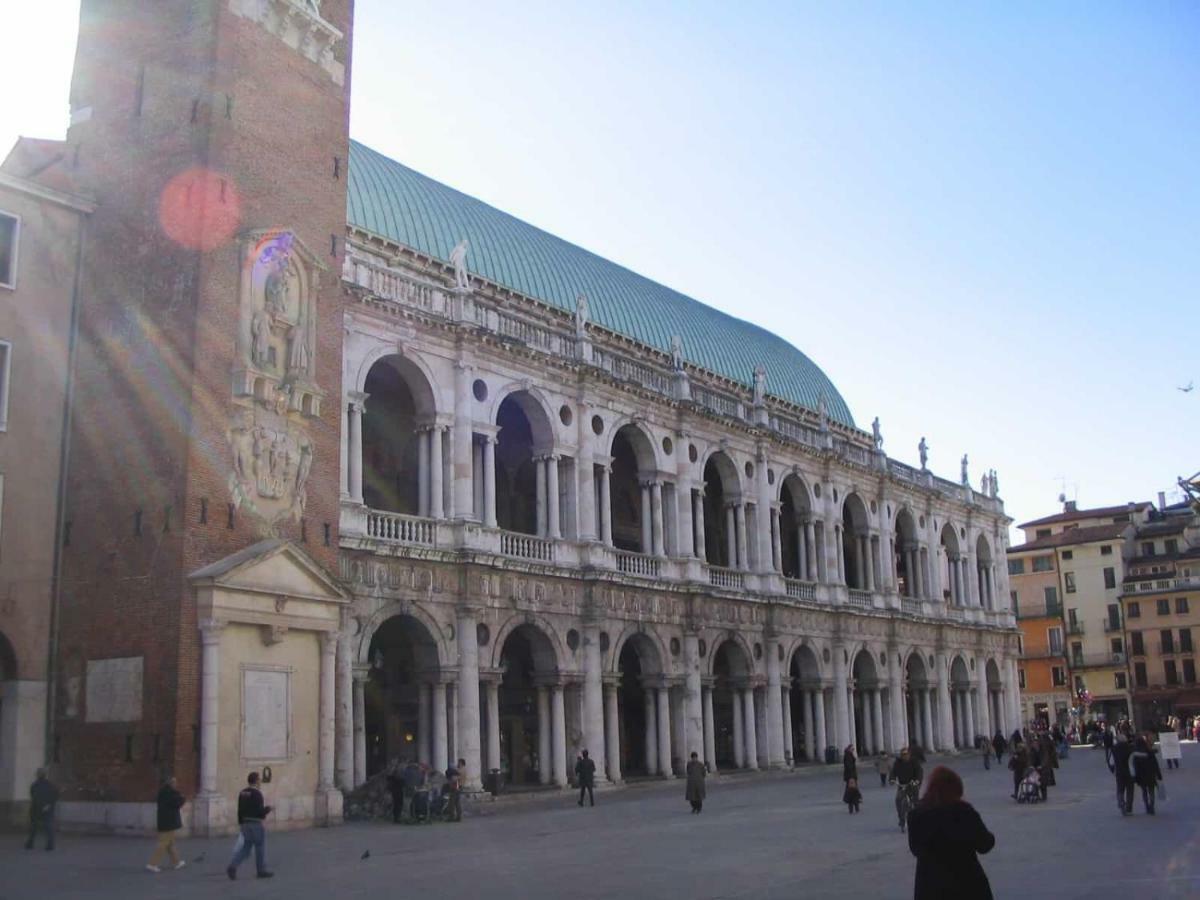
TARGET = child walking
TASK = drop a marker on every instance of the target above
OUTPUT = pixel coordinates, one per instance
(883, 765)
(853, 796)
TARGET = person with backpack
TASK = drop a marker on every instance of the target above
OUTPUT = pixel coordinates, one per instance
(169, 802)
(585, 774)
(252, 812)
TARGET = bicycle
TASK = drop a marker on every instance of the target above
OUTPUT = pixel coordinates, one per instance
(906, 799)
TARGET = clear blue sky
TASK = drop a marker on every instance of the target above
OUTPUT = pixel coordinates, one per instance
(981, 220)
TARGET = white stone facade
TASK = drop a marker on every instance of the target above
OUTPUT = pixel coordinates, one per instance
(589, 541)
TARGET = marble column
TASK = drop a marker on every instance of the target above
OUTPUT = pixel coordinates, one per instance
(739, 518)
(423, 471)
(646, 541)
(664, 732)
(585, 474)
(810, 539)
(698, 525)
(354, 459)
(731, 546)
(749, 720)
(441, 753)
(877, 720)
(896, 706)
(437, 462)
(489, 480)
(651, 732)
(424, 723)
(593, 699)
(612, 734)
(553, 523)
(210, 710)
(842, 725)
(539, 480)
(467, 725)
(943, 695)
(739, 731)
(658, 544)
(869, 562)
(558, 735)
(693, 705)
(973, 721)
(545, 775)
(360, 674)
(710, 738)
(810, 737)
(493, 723)
(801, 554)
(776, 542)
(462, 468)
(773, 708)
(926, 696)
(606, 506)
(789, 750)
(864, 704)
(345, 713)
(819, 726)
(328, 689)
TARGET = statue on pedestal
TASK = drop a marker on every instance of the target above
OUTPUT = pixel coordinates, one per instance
(760, 385)
(923, 450)
(963, 475)
(823, 413)
(458, 259)
(876, 434)
(581, 316)
(677, 352)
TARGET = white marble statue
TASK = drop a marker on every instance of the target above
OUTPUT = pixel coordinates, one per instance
(823, 413)
(581, 315)
(985, 485)
(760, 385)
(458, 259)
(298, 350)
(923, 450)
(963, 476)
(677, 352)
(876, 434)
(995, 484)
(260, 349)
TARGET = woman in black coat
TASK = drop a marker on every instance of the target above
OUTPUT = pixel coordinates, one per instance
(849, 764)
(946, 834)
(1146, 773)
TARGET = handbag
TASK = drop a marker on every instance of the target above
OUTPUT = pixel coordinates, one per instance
(1162, 791)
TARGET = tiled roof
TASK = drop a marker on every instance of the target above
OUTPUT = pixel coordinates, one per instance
(392, 201)
(1097, 513)
(1074, 536)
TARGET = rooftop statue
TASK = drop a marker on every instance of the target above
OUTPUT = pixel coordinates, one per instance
(677, 352)
(760, 385)
(823, 412)
(876, 434)
(923, 450)
(458, 259)
(964, 477)
(581, 315)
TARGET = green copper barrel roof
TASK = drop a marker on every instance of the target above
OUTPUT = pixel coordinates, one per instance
(394, 202)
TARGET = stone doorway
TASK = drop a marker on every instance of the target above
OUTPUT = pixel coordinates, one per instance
(397, 697)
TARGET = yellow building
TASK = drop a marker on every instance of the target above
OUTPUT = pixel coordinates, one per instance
(1081, 555)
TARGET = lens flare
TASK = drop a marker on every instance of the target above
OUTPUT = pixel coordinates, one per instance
(199, 209)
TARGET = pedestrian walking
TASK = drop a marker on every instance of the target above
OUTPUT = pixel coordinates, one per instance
(1108, 739)
(395, 786)
(1146, 772)
(849, 764)
(946, 835)
(883, 765)
(907, 774)
(1018, 762)
(169, 802)
(585, 774)
(1121, 752)
(695, 791)
(252, 812)
(454, 775)
(999, 744)
(43, 801)
(985, 747)
(852, 796)
(1047, 763)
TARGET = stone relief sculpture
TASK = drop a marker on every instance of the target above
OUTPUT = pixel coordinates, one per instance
(458, 259)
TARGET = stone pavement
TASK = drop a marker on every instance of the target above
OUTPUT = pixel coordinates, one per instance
(771, 836)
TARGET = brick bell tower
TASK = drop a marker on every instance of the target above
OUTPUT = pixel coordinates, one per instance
(207, 383)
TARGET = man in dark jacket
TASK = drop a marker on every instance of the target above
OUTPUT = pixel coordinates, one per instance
(252, 814)
(1121, 752)
(43, 798)
(585, 774)
(906, 773)
(1146, 771)
(169, 802)
(454, 776)
(999, 744)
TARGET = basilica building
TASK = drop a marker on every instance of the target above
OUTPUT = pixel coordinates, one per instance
(361, 469)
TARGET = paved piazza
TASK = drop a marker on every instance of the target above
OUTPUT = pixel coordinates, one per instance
(770, 836)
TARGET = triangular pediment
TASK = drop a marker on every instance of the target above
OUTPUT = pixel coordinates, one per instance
(272, 567)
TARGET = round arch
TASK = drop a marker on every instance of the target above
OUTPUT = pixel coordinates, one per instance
(722, 502)
(907, 553)
(549, 651)
(411, 365)
(648, 645)
(634, 465)
(744, 655)
(536, 408)
(371, 624)
(797, 538)
(857, 550)
(526, 475)
(395, 449)
(804, 663)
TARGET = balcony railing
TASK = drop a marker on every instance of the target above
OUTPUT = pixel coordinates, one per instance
(638, 564)
(721, 577)
(800, 590)
(855, 597)
(1110, 626)
(1074, 628)
(1096, 660)
(911, 606)
(401, 529)
(526, 546)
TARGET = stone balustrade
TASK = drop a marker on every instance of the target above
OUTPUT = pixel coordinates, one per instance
(401, 529)
(526, 546)
(637, 564)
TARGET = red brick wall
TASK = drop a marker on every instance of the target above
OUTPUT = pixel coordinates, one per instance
(154, 392)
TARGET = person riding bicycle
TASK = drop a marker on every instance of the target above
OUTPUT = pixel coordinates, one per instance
(907, 775)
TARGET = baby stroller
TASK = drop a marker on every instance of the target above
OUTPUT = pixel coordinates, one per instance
(1030, 788)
